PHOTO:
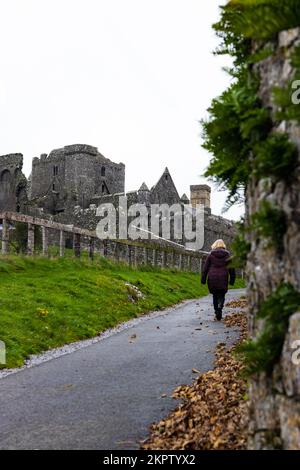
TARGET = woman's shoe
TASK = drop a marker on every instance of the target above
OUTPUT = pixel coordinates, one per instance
(219, 314)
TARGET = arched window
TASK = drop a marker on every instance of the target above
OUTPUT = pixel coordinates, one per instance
(5, 177)
(7, 196)
(103, 171)
(5, 182)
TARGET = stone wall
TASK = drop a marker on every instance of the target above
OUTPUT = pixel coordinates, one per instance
(67, 236)
(215, 227)
(13, 183)
(275, 400)
(142, 254)
(73, 175)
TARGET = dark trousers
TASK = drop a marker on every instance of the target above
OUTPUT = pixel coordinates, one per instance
(219, 299)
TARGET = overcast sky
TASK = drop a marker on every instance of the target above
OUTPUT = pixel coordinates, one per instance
(131, 77)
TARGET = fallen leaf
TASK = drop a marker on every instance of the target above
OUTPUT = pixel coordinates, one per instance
(132, 337)
(214, 412)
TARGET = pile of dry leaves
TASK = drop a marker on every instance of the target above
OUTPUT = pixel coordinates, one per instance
(214, 410)
(239, 303)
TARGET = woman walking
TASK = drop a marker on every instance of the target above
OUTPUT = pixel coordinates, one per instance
(218, 274)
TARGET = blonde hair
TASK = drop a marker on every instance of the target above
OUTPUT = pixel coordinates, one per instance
(218, 244)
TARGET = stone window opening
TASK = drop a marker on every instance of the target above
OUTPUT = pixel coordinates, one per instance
(55, 170)
(53, 187)
(103, 171)
(5, 176)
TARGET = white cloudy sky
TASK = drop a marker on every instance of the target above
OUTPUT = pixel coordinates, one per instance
(132, 77)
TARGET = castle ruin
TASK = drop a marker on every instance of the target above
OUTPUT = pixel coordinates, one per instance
(73, 175)
(70, 183)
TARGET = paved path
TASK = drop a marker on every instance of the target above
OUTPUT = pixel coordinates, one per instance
(106, 395)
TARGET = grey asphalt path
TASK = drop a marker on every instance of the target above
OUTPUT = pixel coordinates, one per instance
(106, 395)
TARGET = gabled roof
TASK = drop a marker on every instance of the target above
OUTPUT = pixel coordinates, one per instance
(166, 172)
(165, 189)
(144, 187)
(184, 198)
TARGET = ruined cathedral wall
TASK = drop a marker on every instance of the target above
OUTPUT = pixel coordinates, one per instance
(80, 179)
(43, 178)
(115, 177)
(216, 227)
(12, 183)
(72, 176)
(87, 176)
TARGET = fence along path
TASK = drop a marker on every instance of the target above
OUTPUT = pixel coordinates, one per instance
(141, 253)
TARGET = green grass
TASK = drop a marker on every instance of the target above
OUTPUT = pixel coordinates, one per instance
(45, 303)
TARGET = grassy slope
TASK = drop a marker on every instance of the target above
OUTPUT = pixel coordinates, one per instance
(47, 303)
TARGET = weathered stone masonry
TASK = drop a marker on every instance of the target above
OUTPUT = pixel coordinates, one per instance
(68, 185)
(275, 401)
(215, 227)
(133, 254)
(13, 184)
(73, 175)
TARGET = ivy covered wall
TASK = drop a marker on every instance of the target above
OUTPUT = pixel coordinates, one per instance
(253, 135)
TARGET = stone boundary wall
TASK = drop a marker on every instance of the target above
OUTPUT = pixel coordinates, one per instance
(215, 227)
(132, 253)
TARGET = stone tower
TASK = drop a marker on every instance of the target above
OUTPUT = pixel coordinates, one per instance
(200, 194)
(72, 176)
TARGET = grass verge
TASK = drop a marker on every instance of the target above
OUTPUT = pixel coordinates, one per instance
(46, 303)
